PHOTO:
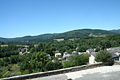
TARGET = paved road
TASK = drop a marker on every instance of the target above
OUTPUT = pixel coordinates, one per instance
(101, 76)
(54, 77)
(99, 73)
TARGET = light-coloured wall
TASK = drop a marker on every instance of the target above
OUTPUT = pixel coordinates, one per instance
(91, 59)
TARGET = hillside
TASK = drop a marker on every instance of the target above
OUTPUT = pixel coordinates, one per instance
(3, 39)
(81, 33)
(116, 31)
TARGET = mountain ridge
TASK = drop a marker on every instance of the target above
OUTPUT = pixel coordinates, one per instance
(79, 33)
(115, 30)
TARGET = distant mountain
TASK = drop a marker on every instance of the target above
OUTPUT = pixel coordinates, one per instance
(116, 31)
(83, 33)
(42, 37)
(3, 39)
(80, 33)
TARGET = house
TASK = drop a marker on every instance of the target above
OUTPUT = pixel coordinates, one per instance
(115, 53)
(80, 53)
(67, 56)
(4, 45)
(114, 49)
(74, 53)
(90, 50)
(23, 50)
(115, 57)
(92, 58)
(58, 55)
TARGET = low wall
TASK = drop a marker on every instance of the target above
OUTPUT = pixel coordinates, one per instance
(54, 72)
(117, 63)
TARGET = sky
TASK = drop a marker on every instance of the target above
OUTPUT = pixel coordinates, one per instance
(34, 17)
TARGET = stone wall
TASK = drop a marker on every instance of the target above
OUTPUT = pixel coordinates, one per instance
(117, 63)
(54, 72)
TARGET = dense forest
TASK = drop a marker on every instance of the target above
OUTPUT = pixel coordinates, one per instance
(37, 60)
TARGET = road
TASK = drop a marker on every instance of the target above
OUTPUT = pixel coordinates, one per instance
(99, 73)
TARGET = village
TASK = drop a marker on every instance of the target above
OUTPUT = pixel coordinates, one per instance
(66, 56)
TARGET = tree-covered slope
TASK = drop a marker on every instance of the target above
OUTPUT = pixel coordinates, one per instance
(83, 33)
(80, 33)
(116, 31)
(3, 39)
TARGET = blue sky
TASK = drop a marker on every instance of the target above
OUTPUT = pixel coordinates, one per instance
(33, 17)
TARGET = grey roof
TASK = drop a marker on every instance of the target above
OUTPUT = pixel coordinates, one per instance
(65, 53)
(74, 52)
(90, 50)
(93, 53)
(114, 50)
(114, 55)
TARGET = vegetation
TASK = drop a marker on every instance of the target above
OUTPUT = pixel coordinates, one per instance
(80, 33)
(115, 31)
(8, 51)
(77, 60)
(37, 60)
(104, 56)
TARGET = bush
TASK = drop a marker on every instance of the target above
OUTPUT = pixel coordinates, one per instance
(77, 60)
(52, 66)
(103, 56)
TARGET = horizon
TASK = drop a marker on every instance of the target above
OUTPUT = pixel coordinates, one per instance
(20, 18)
(55, 33)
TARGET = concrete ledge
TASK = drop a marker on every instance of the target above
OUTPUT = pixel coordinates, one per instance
(54, 72)
(117, 63)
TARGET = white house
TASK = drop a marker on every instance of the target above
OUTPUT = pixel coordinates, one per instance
(23, 50)
(4, 45)
(92, 58)
(74, 53)
(80, 53)
(67, 56)
(58, 55)
(90, 50)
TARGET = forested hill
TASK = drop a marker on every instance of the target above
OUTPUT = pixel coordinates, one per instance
(116, 31)
(3, 39)
(81, 33)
